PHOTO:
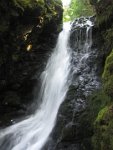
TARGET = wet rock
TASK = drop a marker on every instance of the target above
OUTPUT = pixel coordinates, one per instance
(72, 130)
(11, 98)
(28, 33)
(83, 117)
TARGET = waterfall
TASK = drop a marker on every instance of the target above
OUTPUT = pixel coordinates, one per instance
(67, 134)
(33, 132)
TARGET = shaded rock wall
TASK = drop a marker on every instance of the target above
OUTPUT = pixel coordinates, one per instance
(28, 33)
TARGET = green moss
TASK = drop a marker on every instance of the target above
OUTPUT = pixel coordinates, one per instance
(102, 114)
(103, 125)
(28, 3)
(97, 101)
(108, 86)
(108, 37)
(99, 113)
(108, 75)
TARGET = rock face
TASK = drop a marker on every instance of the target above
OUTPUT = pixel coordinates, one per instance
(104, 9)
(101, 121)
(28, 33)
(85, 118)
(92, 127)
(71, 131)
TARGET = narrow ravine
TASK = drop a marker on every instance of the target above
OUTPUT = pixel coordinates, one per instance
(32, 133)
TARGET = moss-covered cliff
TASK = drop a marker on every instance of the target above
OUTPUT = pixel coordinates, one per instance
(103, 123)
(28, 32)
(100, 109)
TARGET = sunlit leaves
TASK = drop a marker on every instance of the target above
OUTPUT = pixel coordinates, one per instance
(77, 9)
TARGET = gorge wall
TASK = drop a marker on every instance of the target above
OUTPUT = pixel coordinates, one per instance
(102, 110)
(28, 33)
(90, 126)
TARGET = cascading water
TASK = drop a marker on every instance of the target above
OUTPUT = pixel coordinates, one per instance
(32, 133)
(69, 133)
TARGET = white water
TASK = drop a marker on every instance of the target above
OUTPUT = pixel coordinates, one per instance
(32, 133)
(66, 3)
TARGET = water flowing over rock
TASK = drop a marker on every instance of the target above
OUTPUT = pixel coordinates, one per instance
(81, 72)
(28, 33)
(69, 132)
(32, 133)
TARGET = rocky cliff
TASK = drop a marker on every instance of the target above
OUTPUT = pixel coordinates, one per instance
(96, 123)
(28, 33)
(85, 118)
(102, 122)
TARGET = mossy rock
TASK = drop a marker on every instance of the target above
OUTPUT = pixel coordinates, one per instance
(104, 10)
(108, 86)
(108, 75)
(97, 101)
(108, 37)
(27, 12)
(102, 139)
(102, 110)
(23, 4)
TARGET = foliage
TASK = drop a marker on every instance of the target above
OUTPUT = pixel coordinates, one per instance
(99, 113)
(102, 138)
(98, 116)
(108, 75)
(27, 3)
(108, 37)
(97, 101)
(77, 9)
(103, 124)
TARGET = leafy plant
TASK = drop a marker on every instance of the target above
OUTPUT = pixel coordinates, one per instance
(77, 9)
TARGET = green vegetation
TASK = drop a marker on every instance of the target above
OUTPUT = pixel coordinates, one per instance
(98, 118)
(99, 113)
(103, 137)
(103, 118)
(27, 3)
(108, 37)
(77, 9)
(96, 122)
(96, 102)
(108, 75)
